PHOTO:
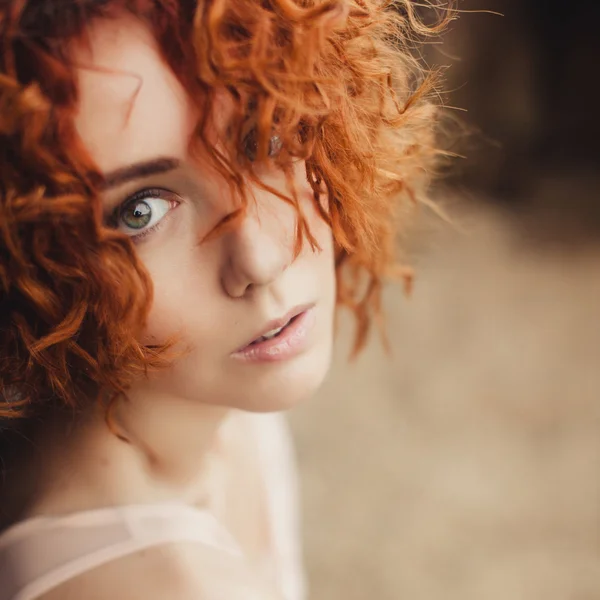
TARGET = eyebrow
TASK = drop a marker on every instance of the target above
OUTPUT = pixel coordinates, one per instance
(139, 170)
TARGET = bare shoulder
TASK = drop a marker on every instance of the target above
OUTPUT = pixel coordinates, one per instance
(183, 571)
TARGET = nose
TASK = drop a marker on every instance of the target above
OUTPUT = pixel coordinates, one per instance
(259, 248)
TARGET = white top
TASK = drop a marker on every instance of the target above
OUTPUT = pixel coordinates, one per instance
(41, 553)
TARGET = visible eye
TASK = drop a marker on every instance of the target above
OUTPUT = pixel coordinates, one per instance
(250, 146)
(142, 213)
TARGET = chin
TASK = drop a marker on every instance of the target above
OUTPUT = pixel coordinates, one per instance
(281, 386)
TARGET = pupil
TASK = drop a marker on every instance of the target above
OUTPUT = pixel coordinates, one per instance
(138, 215)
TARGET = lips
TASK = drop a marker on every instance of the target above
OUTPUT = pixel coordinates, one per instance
(286, 342)
(275, 327)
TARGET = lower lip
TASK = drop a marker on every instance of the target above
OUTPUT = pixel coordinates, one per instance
(289, 343)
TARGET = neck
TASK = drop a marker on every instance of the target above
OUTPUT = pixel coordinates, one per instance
(171, 443)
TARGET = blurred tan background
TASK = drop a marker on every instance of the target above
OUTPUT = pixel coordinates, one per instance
(466, 465)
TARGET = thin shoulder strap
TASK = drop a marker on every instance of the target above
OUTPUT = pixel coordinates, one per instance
(138, 528)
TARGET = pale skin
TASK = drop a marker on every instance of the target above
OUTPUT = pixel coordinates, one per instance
(188, 421)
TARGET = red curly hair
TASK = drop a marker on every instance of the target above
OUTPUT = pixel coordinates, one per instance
(336, 79)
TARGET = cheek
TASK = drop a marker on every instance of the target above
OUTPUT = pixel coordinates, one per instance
(320, 230)
(166, 316)
(318, 227)
(184, 294)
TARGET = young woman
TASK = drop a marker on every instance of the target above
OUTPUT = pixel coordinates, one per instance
(187, 191)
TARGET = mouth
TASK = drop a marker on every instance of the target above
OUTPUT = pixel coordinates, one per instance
(280, 338)
(273, 333)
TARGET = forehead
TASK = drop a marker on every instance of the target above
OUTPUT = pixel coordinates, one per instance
(132, 107)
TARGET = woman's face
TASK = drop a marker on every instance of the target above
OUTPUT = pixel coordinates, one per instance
(217, 295)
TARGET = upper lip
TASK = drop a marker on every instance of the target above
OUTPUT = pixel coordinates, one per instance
(277, 323)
